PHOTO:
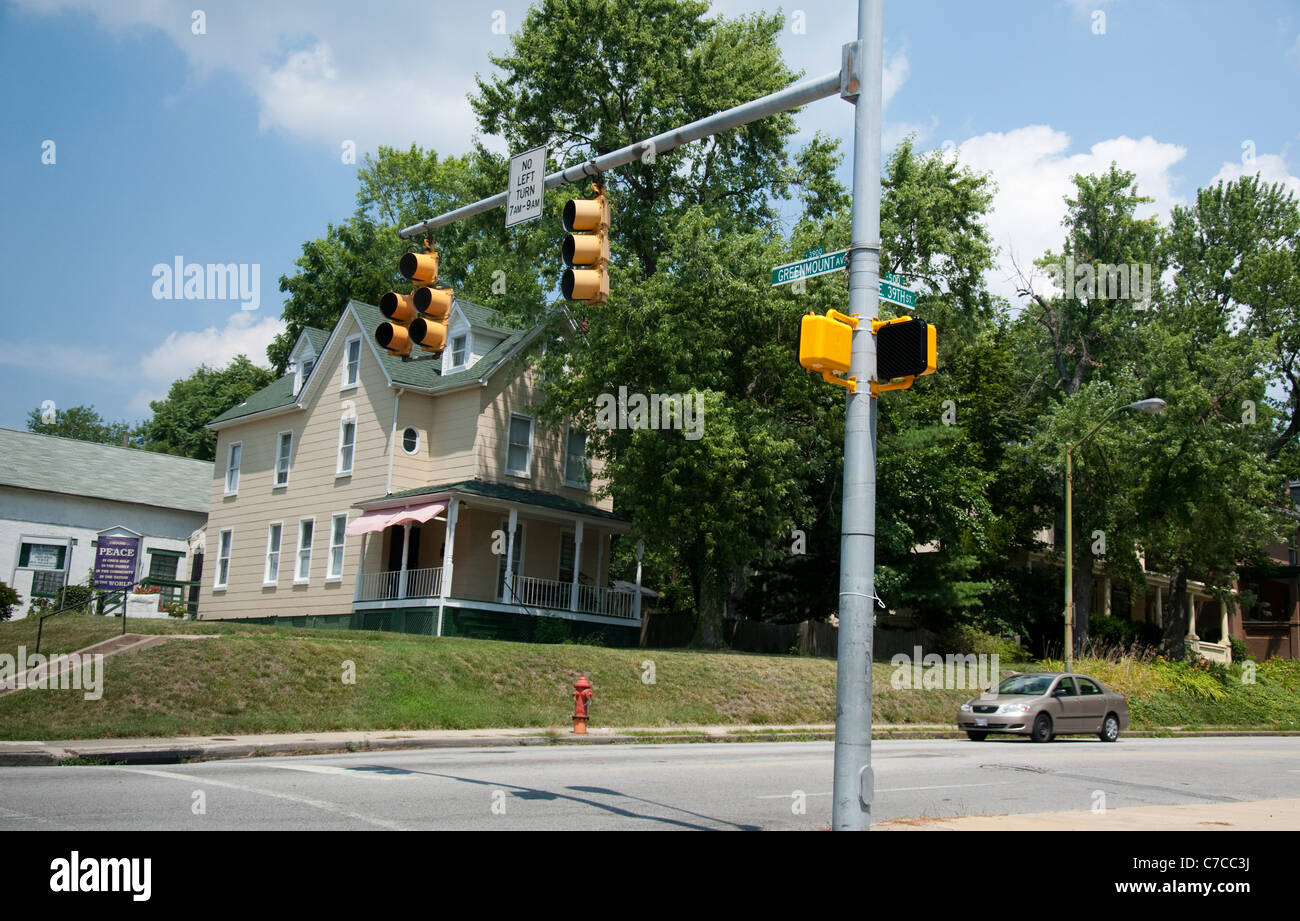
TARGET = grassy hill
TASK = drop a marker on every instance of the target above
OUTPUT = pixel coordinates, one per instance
(284, 679)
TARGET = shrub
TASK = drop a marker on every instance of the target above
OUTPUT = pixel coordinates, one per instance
(965, 639)
(9, 599)
(550, 630)
(1239, 651)
(1121, 633)
(78, 597)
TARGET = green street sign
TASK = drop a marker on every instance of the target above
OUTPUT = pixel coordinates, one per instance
(808, 254)
(892, 287)
(820, 264)
(896, 294)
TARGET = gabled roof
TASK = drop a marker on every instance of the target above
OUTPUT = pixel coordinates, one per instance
(505, 493)
(275, 394)
(317, 337)
(82, 468)
(422, 375)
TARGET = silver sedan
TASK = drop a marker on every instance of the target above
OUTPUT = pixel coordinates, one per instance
(1045, 705)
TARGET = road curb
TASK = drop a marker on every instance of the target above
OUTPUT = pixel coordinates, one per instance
(234, 751)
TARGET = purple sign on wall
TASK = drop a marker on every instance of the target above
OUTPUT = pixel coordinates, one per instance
(116, 561)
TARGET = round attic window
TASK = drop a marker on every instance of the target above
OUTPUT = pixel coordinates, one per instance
(411, 440)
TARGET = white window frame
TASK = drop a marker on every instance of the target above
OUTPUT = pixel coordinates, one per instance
(267, 578)
(330, 574)
(276, 482)
(225, 541)
(347, 384)
(352, 459)
(298, 551)
(419, 437)
(230, 453)
(528, 460)
(464, 358)
(575, 484)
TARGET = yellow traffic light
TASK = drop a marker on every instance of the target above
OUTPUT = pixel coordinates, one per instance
(586, 248)
(825, 344)
(418, 318)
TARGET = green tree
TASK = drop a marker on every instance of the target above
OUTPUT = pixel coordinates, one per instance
(177, 425)
(82, 423)
(1236, 252)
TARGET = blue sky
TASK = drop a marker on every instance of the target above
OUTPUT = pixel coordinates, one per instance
(224, 145)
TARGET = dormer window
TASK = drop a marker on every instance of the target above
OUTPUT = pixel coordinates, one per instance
(459, 350)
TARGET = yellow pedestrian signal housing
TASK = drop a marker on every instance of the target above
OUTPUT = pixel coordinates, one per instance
(825, 344)
(906, 348)
(418, 318)
(586, 248)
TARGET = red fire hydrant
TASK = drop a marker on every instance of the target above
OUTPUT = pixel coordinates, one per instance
(582, 693)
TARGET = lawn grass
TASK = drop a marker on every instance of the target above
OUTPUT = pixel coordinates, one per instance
(257, 679)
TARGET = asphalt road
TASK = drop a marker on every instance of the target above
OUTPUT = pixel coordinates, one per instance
(696, 786)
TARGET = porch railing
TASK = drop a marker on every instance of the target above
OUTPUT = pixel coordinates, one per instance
(530, 591)
(550, 593)
(387, 586)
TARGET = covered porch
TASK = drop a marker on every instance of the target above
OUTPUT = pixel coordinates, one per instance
(444, 552)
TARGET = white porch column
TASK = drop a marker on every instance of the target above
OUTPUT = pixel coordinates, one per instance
(406, 548)
(361, 568)
(1191, 615)
(1223, 624)
(577, 564)
(1105, 603)
(508, 590)
(636, 599)
(599, 580)
(453, 515)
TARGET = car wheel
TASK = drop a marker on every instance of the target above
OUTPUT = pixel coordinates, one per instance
(977, 736)
(1109, 728)
(1042, 728)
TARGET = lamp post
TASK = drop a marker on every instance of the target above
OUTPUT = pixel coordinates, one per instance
(1153, 405)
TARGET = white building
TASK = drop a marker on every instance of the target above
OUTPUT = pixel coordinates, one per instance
(56, 494)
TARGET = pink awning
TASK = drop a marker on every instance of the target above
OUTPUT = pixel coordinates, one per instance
(382, 518)
(420, 513)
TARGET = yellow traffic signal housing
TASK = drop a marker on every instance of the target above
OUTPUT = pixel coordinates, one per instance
(586, 249)
(906, 348)
(825, 345)
(419, 318)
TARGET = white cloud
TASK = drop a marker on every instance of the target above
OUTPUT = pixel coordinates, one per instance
(1270, 168)
(246, 332)
(1033, 171)
(328, 73)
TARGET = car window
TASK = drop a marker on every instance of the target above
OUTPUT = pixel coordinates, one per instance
(1033, 685)
(1087, 687)
(1065, 688)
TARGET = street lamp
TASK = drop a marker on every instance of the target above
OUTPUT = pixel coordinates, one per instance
(1153, 405)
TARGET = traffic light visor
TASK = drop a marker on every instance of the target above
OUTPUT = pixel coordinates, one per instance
(421, 268)
(400, 308)
(429, 335)
(433, 302)
(394, 338)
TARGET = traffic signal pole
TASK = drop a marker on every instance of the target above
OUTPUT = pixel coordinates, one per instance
(792, 97)
(854, 781)
(858, 80)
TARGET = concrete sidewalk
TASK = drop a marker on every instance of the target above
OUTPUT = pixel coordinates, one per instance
(1259, 815)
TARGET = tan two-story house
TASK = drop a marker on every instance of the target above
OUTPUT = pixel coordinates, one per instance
(367, 491)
